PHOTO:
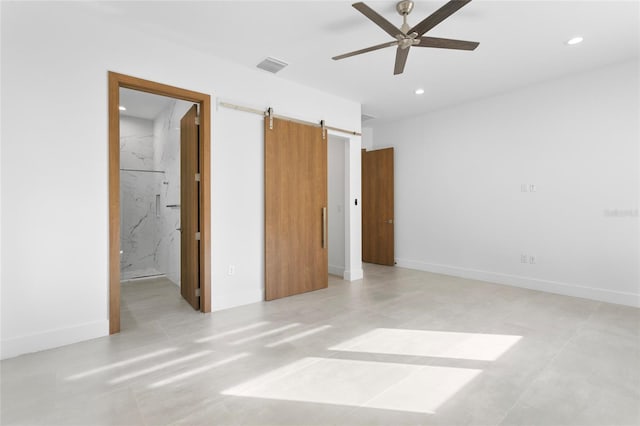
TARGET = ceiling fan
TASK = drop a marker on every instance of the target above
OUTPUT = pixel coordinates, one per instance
(407, 36)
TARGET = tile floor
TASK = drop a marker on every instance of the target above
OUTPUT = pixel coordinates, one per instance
(399, 347)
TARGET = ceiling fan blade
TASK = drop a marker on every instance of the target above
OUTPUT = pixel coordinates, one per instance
(365, 50)
(447, 43)
(401, 60)
(438, 16)
(391, 29)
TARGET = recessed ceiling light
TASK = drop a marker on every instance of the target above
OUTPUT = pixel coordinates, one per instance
(121, 108)
(575, 40)
(419, 91)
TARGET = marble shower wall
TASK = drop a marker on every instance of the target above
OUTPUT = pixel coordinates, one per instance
(166, 130)
(138, 188)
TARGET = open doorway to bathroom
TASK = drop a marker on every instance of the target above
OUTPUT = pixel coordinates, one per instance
(150, 207)
(159, 147)
(150, 185)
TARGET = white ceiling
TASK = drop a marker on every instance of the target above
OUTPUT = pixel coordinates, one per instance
(521, 42)
(142, 105)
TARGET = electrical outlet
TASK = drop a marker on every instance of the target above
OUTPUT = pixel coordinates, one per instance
(533, 260)
(532, 188)
(232, 270)
(523, 258)
(524, 188)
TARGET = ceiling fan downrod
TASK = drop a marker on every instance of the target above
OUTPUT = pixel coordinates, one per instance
(404, 8)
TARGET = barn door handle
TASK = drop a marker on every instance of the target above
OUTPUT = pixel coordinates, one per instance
(324, 227)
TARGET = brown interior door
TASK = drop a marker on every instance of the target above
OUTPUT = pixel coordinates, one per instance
(295, 209)
(377, 207)
(189, 208)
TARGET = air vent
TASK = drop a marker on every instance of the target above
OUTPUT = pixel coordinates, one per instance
(272, 65)
(366, 117)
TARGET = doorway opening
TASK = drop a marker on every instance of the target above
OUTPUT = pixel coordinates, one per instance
(338, 203)
(159, 193)
(150, 207)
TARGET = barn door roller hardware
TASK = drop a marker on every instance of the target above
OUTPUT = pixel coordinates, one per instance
(269, 113)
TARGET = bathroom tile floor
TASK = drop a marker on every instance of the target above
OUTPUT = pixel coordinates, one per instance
(398, 347)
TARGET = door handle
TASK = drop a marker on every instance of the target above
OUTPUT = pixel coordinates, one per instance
(324, 227)
(389, 221)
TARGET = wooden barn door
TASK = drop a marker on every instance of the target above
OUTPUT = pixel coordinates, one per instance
(296, 244)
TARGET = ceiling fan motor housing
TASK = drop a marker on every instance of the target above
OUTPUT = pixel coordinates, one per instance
(404, 7)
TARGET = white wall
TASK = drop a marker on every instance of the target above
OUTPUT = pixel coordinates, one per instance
(353, 207)
(1, 185)
(459, 205)
(336, 203)
(367, 138)
(55, 58)
(239, 199)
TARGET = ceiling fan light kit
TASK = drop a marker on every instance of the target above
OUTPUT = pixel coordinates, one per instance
(407, 36)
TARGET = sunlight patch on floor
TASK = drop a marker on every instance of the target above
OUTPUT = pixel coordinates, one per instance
(385, 385)
(196, 371)
(440, 344)
(158, 367)
(266, 333)
(425, 390)
(121, 364)
(298, 336)
(232, 332)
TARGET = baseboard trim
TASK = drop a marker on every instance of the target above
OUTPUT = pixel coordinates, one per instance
(13, 347)
(246, 297)
(566, 289)
(336, 270)
(353, 274)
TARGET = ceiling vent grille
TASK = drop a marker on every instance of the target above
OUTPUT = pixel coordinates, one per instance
(367, 117)
(272, 65)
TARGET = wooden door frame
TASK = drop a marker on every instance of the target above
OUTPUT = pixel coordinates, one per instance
(117, 81)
